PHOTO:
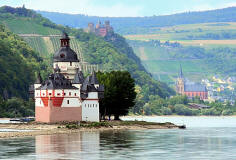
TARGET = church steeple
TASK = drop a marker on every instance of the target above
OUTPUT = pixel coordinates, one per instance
(181, 75)
(65, 40)
(180, 82)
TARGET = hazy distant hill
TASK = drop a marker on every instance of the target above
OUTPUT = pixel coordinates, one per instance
(133, 25)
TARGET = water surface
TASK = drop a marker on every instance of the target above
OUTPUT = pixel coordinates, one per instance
(196, 142)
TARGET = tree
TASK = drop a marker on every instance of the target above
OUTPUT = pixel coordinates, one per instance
(119, 95)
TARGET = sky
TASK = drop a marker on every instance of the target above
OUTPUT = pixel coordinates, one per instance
(121, 8)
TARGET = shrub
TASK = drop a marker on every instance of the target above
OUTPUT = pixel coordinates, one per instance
(227, 112)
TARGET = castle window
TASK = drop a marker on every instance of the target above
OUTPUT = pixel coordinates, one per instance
(64, 94)
(50, 94)
(62, 55)
(93, 105)
(70, 63)
(75, 94)
(58, 94)
(69, 93)
(68, 102)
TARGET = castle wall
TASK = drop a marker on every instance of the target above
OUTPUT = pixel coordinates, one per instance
(90, 110)
(52, 114)
(68, 69)
(58, 105)
(71, 102)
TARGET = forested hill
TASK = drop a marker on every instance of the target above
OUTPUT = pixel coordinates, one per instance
(96, 50)
(127, 25)
(18, 64)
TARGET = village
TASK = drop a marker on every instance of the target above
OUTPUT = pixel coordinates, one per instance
(220, 89)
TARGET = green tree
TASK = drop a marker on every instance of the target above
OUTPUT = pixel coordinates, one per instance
(119, 94)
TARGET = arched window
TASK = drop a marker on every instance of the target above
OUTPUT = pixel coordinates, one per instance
(68, 102)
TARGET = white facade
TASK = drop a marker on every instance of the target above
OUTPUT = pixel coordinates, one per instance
(68, 69)
(90, 108)
(71, 97)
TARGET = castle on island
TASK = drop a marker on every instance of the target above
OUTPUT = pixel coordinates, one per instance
(100, 29)
(190, 89)
(67, 95)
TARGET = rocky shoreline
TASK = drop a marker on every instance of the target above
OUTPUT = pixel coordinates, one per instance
(33, 129)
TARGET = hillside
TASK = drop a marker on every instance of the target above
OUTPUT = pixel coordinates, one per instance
(18, 64)
(203, 34)
(92, 49)
(163, 59)
(205, 41)
(137, 25)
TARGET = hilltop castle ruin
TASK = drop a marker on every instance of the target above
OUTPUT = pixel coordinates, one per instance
(100, 29)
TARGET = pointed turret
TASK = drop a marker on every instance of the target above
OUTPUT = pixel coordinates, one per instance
(79, 77)
(57, 69)
(65, 53)
(94, 79)
(38, 79)
(65, 40)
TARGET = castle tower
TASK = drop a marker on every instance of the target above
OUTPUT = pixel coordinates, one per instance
(66, 95)
(107, 23)
(180, 82)
(66, 59)
(98, 25)
(91, 28)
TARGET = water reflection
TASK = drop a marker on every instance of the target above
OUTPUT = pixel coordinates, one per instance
(194, 143)
(73, 146)
(17, 148)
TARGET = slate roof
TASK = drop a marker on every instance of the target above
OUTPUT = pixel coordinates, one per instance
(56, 81)
(94, 79)
(101, 88)
(65, 53)
(195, 88)
(79, 77)
(87, 86)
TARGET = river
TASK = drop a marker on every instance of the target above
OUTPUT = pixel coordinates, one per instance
(204, 138)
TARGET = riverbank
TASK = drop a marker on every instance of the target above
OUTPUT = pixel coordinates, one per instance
(33, 129)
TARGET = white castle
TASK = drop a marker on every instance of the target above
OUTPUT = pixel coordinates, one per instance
(66, 95)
